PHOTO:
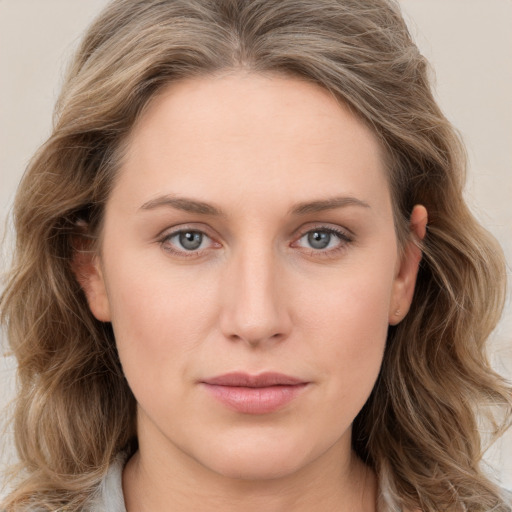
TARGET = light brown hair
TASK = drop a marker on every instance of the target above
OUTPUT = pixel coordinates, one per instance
(419, 429)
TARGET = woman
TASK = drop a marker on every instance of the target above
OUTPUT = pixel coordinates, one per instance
(225, 293)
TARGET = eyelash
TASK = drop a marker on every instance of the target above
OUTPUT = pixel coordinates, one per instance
(343, 237)
(164, 241)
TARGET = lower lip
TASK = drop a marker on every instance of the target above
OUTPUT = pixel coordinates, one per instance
(255, 400)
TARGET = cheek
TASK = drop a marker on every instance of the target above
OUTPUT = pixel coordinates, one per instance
(349, 323)
(159, 318)
(353, 303)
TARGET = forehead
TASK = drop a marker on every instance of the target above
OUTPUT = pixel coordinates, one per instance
(273, 135)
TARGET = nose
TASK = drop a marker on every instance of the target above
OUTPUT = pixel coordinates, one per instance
(255, 309)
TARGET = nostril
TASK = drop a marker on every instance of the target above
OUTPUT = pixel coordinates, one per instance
(257, 334)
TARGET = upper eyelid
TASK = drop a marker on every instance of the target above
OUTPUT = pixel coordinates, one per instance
(166, 237)
(180, 228)
(335, 228)
(343, 237)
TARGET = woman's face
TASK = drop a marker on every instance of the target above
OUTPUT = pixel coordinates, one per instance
(250, 230)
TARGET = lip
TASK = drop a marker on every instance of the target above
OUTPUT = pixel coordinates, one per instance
(255, 394)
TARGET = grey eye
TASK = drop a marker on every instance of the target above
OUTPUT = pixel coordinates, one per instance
(319, 239)
(190, 240)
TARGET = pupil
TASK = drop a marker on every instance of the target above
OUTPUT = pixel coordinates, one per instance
(319, 239)
(191, 240)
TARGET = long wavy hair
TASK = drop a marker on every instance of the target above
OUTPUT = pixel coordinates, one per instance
(419, 430)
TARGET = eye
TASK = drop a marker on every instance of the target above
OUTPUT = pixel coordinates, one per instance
(186, 242)
(323, 239)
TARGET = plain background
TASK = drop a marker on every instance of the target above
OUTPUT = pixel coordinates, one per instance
(469, 43)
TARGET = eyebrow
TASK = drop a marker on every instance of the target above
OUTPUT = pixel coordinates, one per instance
(327, 204)
(202, 208)
(182, 203)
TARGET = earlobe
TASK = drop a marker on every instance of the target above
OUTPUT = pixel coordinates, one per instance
(405, 279)
(87, 269)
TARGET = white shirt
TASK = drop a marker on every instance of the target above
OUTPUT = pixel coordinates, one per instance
(109, 496)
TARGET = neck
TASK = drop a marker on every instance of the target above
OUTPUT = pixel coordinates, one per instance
(171, 480)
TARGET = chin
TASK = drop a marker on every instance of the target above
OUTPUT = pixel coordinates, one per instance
(262, 459)
(258, 467)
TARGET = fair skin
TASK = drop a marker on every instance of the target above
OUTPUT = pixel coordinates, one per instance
(291, 265)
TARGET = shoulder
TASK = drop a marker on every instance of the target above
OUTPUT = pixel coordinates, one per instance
(109, 495)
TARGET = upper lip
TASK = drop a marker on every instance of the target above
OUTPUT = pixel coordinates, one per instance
(240, 379)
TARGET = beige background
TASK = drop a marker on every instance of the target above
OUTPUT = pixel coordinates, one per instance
(468, 41)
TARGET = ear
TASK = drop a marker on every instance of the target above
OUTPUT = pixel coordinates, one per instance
(88, 273)
(405, 279)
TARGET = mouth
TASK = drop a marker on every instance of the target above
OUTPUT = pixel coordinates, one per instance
(255, 394)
